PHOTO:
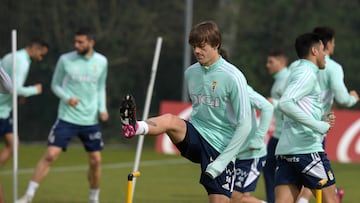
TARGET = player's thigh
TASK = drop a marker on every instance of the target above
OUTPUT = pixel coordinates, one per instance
(329, 194)
(286, 193)
(217, 198)
(174, 126)
(237, 196)
(52, 153)
(9, 140)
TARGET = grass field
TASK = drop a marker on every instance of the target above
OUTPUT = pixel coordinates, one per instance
(164, 178)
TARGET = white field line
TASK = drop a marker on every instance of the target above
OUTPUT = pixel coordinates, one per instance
(103, 166)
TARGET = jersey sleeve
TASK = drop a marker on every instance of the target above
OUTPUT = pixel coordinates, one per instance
(266, 109)
(58, 79)
(21, 75)
(5, 82)
(339, 89)
(102, 89)
(240, 101)
(300, 84)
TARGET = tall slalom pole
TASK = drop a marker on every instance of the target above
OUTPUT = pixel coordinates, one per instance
(15, 113)
(146, 109)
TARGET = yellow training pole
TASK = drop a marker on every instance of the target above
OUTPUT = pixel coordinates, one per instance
(130, 186)
(318, 191)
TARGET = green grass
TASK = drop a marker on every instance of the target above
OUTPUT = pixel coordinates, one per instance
(164, 178)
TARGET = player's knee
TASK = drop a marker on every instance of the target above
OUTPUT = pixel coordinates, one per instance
(50, 157)
(172, 120)
(95, 160)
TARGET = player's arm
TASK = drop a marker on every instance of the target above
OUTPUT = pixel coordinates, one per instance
(5, 82)
(266, 109)
(240, 101)
(300, 85)
(342, 96)
(102, 90)
(57, 80)
(21, 75)
(103, 114)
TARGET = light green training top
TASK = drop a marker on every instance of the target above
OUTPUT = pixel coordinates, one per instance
(254, 146)
(23, 62)
(83, 78)
(276, 91)
(221, 109)
(303, 109)
(332, 85)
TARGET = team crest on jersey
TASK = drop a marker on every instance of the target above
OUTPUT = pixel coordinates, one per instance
(214, 83)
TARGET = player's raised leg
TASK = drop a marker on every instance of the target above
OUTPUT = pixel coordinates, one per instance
(174, 126)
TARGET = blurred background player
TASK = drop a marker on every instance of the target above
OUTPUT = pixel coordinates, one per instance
(34, 51)
(5, 88)
(80, 82)
(252, 156)
(332, 84)
(301, 160)
(220, 120)
(276, 65)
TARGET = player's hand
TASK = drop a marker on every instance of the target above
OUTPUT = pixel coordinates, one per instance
(330, 118)
(270, 99)
(104, 116)
(73, 101)
(354, 94)
(39, 88)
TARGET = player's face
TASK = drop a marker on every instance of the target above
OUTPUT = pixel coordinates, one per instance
(320, 56)
(331, 46)
(83, 45)
(38, 52)
(205, 54)
(273, 64)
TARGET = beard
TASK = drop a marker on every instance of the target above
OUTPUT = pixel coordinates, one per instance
(84, 51)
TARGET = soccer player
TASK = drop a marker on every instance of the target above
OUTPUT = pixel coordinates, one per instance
(5, 88)
(79, 81)
(252, 156)
(34, 51)
(221, 114)
(301, 160)
(331, 81)
(276, 65)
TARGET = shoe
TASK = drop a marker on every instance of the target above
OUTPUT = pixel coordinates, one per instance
(128, 116)
(339, 194)
(94, 201)
(24, 199)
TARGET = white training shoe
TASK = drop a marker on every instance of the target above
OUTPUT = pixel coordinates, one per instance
(94, 201)
(25, 199)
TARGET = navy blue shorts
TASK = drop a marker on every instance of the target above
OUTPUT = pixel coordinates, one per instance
(304, 169)
(247, 173)
(198, 150)
(6, 125)
(63, 131)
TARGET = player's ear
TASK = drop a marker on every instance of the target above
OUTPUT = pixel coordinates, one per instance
(313, 51)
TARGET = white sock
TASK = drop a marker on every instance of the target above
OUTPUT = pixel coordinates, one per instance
(142, 128)
(94, 194)
(303, 200)
(263, 201)
(32, 187)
